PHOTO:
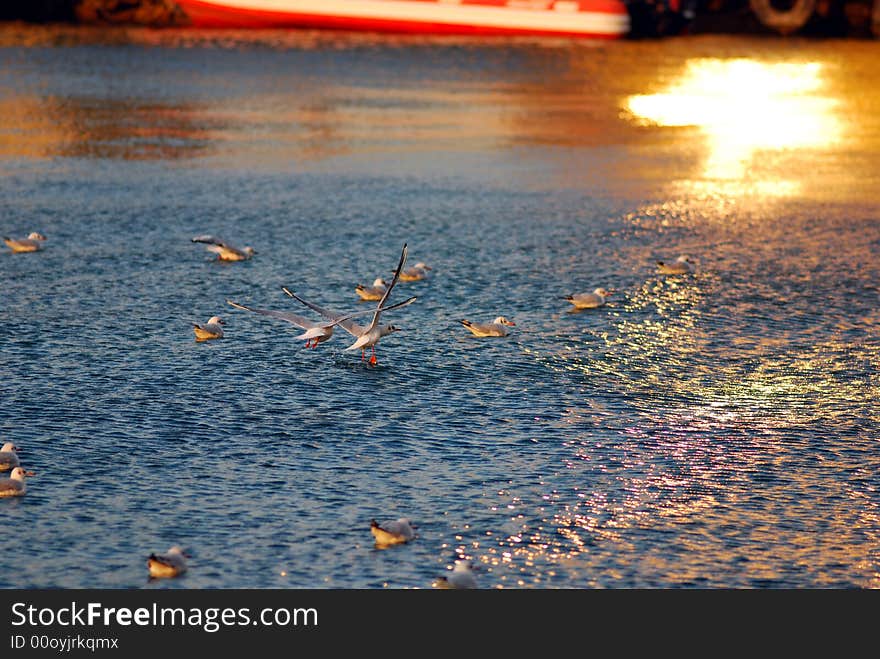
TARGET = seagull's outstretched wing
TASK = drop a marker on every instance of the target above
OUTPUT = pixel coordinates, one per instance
(388, 308)
(343, 320)
(313, 329)
(295, 319)
(211, 240)
(379, 307)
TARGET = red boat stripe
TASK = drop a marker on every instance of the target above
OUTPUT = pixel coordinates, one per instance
(607, 18)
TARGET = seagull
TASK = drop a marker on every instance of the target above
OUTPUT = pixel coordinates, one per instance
(8, 456)
(461, 576)
(169, 564)
(392, 533)
(14, 485)
(367, 337)
(225, 251)
(210, 330)
(416, 273)
(374, 292)
(497, 327)
(315, 332)
(680, 266)
(589, 300)
(33, 243)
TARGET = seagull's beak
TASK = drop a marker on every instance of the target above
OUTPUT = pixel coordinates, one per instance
(30, 473)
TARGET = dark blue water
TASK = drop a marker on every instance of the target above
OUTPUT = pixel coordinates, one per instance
(718, 429)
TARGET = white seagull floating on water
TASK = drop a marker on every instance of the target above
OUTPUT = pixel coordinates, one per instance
(225, 251)
(589, 300)
(416, 273)
(395, 532)
(374, 292)
(461, 576)
(14, 485)
(9, 456)
(497, 327)
(211, 330)
(680, 266)
(169, 564)
(33, 243)
(366, 337)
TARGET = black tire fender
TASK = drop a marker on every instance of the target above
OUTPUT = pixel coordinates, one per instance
(784, 19)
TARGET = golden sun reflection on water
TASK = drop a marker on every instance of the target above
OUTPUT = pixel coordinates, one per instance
(746, 110)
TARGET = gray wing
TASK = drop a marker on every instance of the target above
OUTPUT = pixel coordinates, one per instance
(295, 319)
(10, 485)
(379, 308)
(211, 240)
(343, 320)
(8, 462)
(395, 527)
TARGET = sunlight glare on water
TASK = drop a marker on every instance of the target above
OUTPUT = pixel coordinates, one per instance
(748, 109)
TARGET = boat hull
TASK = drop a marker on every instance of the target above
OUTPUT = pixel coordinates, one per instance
(592, 19)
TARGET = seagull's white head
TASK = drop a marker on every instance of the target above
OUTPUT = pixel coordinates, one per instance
(19, 473)
(9, 446)
(216, 320)
(389, 329)
(684, 258)
(36, 236)
(378, 281)
(176, 549)
(603, 292)
(250, 251)
(501, 320)
(422, 266)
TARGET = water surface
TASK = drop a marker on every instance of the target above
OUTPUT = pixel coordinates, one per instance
(717, 429)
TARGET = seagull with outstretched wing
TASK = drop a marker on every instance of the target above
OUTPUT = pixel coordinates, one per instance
(316, 332)
(224, 250)
(366, 337)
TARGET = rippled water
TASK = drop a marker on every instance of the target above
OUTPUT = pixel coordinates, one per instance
(718, 429)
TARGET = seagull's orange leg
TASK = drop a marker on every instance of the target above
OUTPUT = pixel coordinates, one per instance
(373, 359)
